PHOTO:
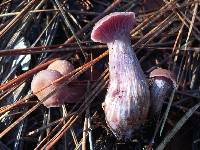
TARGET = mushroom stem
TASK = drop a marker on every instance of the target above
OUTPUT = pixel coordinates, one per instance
(122, 58)
(128, 92)
(159, 90)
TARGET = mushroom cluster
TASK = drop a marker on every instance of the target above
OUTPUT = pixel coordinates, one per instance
(127, 102)
(68, 94)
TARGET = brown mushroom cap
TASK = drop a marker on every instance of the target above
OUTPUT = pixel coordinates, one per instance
(43, 79)
(159, 72)
(62, 66)
(112, 26)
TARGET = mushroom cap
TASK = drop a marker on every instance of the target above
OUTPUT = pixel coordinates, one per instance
(113, 26)
(159, 72)
(68, 94)
(42, 80)
(62, 66)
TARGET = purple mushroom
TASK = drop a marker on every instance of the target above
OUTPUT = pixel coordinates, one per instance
(62, 66)
(162, 83)
(67, 94)
(42, 80)
(127, 101)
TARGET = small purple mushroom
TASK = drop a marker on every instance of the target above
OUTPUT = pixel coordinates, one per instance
(73, 93)
(67, 94)
(42, 80)
(62, 66)
(162, 83)
(127, 101)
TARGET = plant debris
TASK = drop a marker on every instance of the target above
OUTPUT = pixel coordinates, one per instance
(35, 33)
